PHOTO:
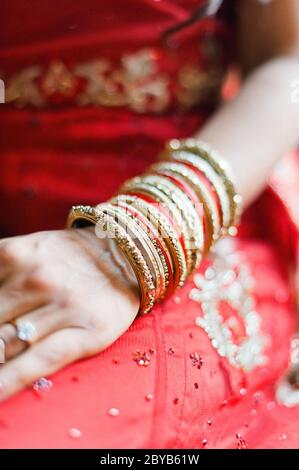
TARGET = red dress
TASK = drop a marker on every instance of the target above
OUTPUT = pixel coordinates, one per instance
(96, 88)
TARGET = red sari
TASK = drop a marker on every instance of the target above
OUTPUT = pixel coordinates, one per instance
(95, 91)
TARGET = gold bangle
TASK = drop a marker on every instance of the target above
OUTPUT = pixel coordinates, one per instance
(124, 241)
(215, 180)
(204, 151)
(147, 244)
(173, 202)
(210, 208)
(188, 207)
(137, 235)
(165, 229)
(83, 214)
(154, 236)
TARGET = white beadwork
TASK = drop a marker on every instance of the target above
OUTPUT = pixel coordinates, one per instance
(229, 280)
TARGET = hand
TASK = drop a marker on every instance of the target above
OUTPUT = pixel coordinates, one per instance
(61, 290)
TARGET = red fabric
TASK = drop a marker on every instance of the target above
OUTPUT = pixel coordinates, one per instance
(62, 155)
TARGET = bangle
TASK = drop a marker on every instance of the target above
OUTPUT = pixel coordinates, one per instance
(168, 234)
(165, 220)
(192, 161)
(169, 210)
(80, 215)
(206, 153)
(210, 208)
(127, 202)
(155, 253)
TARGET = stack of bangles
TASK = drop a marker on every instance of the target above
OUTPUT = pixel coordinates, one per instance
(166, 220)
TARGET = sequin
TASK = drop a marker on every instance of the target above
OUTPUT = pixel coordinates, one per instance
(114, 412)
(243, 391)
(177, 300)
(42, 385)
(115, 360)
(141, 358)
(209, 422)
(196, 360)
(282, 437)
(175, 401)
(204, 442)
(149, 397)
(241, 442)
(74, 433)
(196, 385)
(170, 351)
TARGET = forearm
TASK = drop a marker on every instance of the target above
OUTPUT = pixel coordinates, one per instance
(258, 127)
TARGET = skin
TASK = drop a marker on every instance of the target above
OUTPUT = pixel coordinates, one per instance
(46, 277)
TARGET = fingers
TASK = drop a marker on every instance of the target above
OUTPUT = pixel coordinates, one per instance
(14, 302)
(44, 358)
(42, 322)
(31, 328)
(13, 346)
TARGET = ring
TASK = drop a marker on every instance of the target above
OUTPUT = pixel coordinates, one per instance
(25, 331)
(15, 339)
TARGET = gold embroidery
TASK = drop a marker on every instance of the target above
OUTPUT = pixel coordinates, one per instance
(23, 90)
(100, 89)
(59, 80)
(136, 83)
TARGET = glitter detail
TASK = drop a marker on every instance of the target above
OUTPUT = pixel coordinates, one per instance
(228, 283)
(115, 360)
(141, 358)
(204, 442)
(196, 386)
(209, 422)
(271, 405)
(74, 433)
(196, 360)
(243, 391)
(282, 437)
(149, 397)
(42, 385)
(177, 300)
(25, 331)
(113, 412)
(191, 335)
(170, 351)
(175, 401)
(258, 397)
(151, 350)
(241, 443)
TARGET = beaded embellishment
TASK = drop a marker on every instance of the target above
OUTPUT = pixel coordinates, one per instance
(226, 286)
